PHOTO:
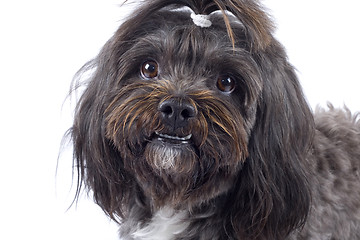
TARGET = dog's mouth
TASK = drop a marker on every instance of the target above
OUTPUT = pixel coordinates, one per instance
(172, 139)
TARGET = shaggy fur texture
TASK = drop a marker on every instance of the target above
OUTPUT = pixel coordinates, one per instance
(190, 132)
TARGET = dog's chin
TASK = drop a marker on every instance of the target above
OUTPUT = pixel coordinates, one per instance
(171, 153)
(177, 171)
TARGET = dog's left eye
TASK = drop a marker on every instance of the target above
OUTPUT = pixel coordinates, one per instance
(149, 69)
(225, 83)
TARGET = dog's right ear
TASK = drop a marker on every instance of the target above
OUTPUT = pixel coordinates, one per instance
(99, 165)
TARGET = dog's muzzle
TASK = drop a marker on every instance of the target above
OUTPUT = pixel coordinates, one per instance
(176, 115)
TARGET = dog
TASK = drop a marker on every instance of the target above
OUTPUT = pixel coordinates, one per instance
(193, 125)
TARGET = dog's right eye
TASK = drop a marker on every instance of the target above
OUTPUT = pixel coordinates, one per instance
(149, 69)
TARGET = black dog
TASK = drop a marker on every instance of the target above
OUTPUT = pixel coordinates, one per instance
(194, 126)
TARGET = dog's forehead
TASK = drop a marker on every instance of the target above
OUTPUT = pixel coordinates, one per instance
(180, 50)
(173, 31)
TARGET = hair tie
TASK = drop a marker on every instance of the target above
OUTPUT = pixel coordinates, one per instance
(201, 20)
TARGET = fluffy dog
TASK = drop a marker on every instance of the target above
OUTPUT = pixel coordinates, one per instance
(193, 125)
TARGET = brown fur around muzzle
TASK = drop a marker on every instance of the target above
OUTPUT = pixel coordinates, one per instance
(217, 143)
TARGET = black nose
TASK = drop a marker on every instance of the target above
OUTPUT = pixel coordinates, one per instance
(176, 112)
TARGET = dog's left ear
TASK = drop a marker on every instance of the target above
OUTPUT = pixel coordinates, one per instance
(271, 196)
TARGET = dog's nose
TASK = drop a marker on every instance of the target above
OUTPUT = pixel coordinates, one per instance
(176, 112)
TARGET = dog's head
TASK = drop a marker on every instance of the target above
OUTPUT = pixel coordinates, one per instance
(178, 112)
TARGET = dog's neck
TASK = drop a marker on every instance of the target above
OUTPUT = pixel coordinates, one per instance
(171, 222)
(165, 224)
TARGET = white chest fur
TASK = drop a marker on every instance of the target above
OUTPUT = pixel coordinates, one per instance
(165, 225)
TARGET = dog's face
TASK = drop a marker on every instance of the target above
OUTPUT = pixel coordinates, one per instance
(176, 114)
(182, 111)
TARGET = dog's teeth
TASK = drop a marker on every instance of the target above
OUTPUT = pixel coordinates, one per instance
(174, 137)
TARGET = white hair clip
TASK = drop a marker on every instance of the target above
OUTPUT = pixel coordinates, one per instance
(201, 20)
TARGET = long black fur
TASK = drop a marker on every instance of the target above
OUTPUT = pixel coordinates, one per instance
(249, 173)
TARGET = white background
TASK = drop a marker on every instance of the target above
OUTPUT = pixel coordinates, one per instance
(42, 45)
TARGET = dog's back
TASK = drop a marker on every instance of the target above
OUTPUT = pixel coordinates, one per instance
(334, 177)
